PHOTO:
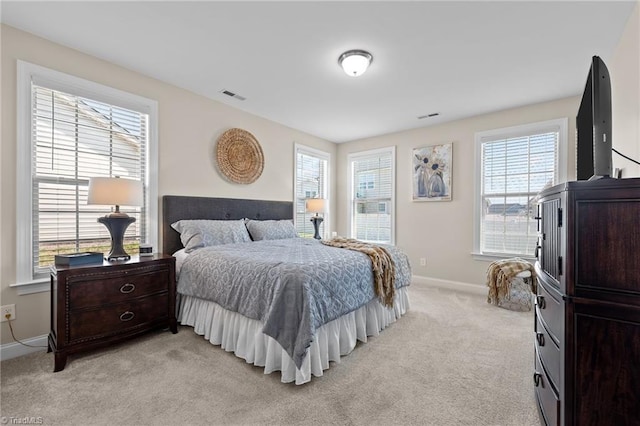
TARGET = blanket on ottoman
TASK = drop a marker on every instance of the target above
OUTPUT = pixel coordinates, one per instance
(501, 274)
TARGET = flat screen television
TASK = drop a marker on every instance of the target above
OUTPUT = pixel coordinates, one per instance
(593, 125)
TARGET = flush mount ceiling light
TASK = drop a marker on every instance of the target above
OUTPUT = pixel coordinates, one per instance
(355, 62)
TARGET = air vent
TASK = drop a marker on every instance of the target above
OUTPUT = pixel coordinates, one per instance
(233, 95)
(433, 114)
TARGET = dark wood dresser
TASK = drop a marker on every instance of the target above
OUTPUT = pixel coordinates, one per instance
(98, 305)
(587, 317)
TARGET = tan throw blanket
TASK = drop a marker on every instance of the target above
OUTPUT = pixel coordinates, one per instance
(384, 271)
(501, 273)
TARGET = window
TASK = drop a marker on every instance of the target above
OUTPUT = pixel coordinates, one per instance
(366, 181)
(372, 187)
(312, 181)
(515, 164)
(70, 130)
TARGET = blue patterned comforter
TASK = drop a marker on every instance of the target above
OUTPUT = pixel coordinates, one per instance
(293, 286)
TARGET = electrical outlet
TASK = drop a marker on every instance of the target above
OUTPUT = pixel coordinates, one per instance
(423, 261)
(7, 309)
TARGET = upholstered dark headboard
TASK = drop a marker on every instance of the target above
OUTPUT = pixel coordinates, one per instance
(176, 207)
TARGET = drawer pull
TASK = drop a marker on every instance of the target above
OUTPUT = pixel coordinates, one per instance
(540, 302)
(537, 379)
(127, 316)
(540, 339)
(127, 288)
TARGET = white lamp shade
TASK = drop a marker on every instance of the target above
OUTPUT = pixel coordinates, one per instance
(355, 62)
(315, 205)
(115, 191)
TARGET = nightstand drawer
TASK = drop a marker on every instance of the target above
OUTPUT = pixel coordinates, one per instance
(100, 289)
(113, 319)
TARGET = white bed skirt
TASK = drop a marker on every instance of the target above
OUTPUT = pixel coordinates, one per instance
(243, 336)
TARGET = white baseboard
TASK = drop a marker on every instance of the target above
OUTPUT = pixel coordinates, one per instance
(15, 349)
(450, 285)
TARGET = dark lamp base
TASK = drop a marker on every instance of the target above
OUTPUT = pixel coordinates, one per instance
(117, 225)
(317, 220)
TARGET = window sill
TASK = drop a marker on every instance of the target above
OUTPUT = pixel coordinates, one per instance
(39, 285)
(492, 257)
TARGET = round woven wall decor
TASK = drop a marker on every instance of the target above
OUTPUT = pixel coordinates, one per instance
(239, 156)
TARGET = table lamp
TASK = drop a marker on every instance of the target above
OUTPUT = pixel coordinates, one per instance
(119, 192)
(315, 205)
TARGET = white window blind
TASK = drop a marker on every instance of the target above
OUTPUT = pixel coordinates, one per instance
(312, 181)
(372, 175)
(514, 168)
(75, 138)
(68, 130)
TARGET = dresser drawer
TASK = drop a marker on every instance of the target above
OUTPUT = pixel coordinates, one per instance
(548, 351)
(551, 309)
(114, 319)
(103, 288)
(546, 396)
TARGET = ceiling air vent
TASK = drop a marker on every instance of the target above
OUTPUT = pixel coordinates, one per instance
(233, 95)
(433, 114)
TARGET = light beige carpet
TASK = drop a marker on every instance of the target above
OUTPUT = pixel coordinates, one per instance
(452, 360)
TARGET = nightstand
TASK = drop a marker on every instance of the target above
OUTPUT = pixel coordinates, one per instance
(100, 304)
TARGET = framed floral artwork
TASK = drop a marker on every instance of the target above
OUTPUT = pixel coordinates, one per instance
(432, 170)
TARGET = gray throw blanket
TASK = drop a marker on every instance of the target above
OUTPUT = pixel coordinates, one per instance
(293, 286)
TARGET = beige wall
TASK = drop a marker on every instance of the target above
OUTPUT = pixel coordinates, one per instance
(442, 232)
(189, 125)
(624, 68)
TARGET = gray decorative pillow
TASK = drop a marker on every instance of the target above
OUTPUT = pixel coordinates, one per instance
(203, 233)
(271, 229)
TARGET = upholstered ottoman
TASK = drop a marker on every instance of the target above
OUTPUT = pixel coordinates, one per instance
(512, 284)
(519, 297)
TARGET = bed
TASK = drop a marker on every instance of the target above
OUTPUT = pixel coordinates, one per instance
(284, 304)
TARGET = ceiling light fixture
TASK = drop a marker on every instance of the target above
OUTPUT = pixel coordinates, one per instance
(355, 62)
